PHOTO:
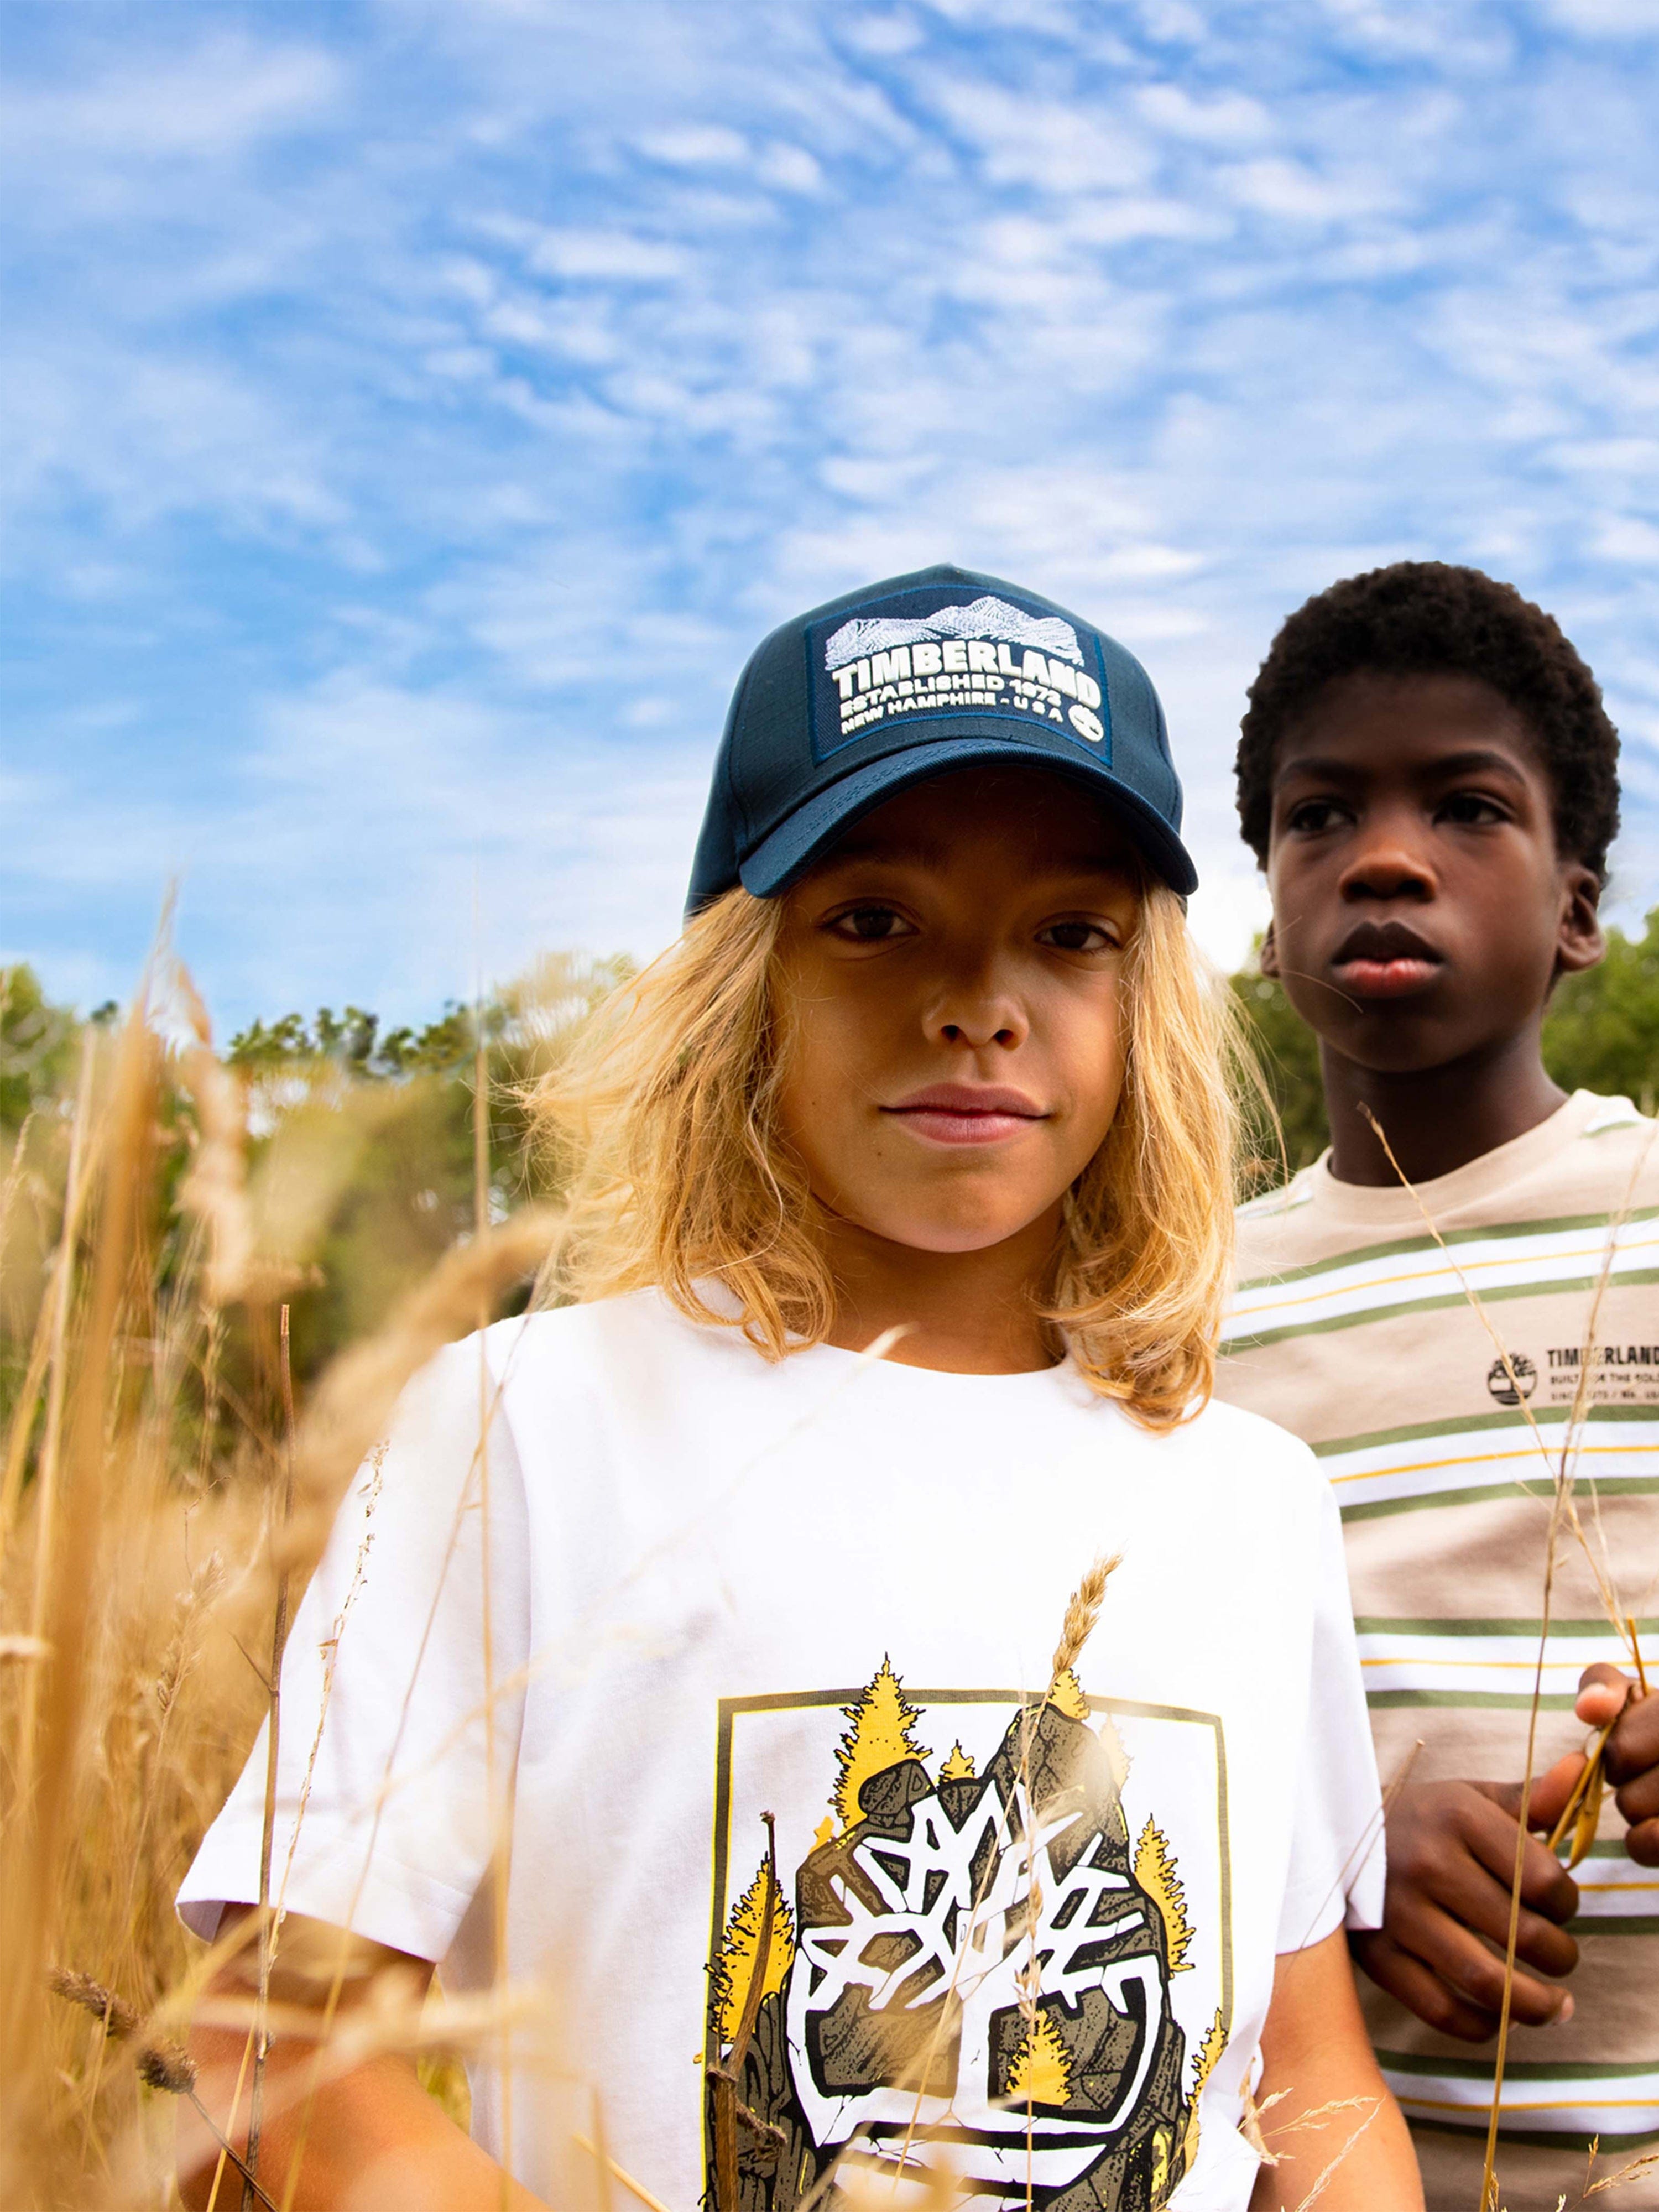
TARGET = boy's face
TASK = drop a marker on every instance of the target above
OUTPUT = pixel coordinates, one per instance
(1421, 910)
(952, 971)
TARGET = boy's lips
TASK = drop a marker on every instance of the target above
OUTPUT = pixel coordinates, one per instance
(1385, 960)
(967, 1113)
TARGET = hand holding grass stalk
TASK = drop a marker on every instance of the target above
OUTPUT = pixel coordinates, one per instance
(1451, 1853)
(1627, 1749)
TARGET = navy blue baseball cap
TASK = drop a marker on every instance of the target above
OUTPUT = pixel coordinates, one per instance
(843, 707)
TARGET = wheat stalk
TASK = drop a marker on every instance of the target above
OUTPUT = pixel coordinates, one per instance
(161, 2064)
(1082, 1613)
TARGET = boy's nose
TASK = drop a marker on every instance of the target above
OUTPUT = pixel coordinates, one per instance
(1387, 867)
(976, 1010)
(977, 1034)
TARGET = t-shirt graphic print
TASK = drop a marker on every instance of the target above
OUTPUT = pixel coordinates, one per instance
(989, 1956)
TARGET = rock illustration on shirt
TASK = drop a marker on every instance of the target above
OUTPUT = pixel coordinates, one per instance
(974, 1967)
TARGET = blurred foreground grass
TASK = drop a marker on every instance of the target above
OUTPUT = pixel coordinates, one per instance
(187, 1239)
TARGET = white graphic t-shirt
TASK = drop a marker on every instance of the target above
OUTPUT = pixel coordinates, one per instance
(810, 1864)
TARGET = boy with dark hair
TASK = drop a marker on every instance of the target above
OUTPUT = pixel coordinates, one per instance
(1430, 780)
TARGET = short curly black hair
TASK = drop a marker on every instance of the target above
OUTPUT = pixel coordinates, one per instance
(1421, 618)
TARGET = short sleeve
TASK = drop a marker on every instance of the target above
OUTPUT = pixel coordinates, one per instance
(383, 1814)
(1336, 1850)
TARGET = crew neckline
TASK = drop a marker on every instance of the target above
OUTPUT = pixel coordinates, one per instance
(719, 1298)
(1022, 1378)
(1476, 1180)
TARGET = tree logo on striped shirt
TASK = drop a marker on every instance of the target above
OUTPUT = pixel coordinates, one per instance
(1501, 1380)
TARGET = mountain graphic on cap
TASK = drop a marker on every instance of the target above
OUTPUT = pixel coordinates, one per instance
(986, 617)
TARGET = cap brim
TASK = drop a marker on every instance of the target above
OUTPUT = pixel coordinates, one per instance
(793, 847)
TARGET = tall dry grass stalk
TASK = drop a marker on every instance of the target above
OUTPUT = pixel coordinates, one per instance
(161, 1504)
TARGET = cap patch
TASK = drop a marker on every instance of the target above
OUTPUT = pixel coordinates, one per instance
(916, 654)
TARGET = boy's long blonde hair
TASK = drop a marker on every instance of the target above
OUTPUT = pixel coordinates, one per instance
(666, 1112)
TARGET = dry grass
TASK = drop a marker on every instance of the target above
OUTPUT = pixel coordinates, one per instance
(158, 1497)
(1082, 1613)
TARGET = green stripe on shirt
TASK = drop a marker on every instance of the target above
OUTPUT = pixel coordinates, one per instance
(1498, 1232)
(1490, 1295)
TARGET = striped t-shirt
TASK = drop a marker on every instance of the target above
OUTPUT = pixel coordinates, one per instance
(1351, 1326)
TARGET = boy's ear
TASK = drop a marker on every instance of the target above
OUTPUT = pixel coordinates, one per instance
(1267, 960)
(1579, 942)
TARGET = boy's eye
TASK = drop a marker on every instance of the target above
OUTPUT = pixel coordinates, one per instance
(1077, 937)
(1470, 807)
(870, 925)
(1314, 814)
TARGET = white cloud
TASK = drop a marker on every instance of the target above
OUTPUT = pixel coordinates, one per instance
(1172, 22)
(790, 168)
(696, 145)
(220, 100)
(1629, 537)
(1275, 186)
(1420, 30)
(1608, 19)
(886, 35)
(1226, 118)
(601, 256)
(1061, 147)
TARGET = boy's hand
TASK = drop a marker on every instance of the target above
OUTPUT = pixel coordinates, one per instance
(1632, 1753)
(1451, 1863)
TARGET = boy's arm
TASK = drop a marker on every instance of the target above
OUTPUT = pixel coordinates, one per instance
(371, 2135)
(1333, 2105)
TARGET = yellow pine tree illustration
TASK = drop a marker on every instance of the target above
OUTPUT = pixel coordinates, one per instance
(1041, 2071)
(1215, 2043)
(1112, 1744)
(1155, 1870)
(734, 1970)
(1067, 1696)
(1160, 2164)
(880, 1732)
(959, 1767)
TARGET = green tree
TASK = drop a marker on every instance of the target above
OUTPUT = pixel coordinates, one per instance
(37, 1046)
(1602, 1032)
(396, 1106)
(1287, 1054)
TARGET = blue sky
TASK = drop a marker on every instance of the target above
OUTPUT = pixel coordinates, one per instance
(411, 413)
